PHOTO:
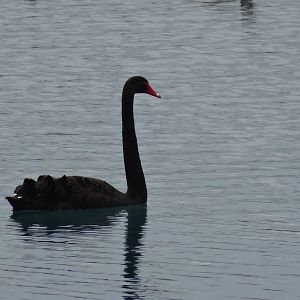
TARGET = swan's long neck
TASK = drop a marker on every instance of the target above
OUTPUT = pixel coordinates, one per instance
(137, 190)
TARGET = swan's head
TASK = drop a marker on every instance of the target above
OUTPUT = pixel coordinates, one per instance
(139, 84)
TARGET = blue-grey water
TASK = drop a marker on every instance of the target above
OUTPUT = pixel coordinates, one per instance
(220, 151)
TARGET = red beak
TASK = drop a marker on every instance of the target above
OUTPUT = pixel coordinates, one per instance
(151, 91)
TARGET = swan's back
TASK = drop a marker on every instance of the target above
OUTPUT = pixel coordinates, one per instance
(86, 192)
(65, 192)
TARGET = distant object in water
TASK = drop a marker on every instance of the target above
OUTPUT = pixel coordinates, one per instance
(247, 3)
(48, 193)
(247, 6)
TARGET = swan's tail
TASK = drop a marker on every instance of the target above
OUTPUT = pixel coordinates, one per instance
(33, 195)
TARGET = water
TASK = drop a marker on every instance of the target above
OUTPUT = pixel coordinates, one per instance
(220, 151)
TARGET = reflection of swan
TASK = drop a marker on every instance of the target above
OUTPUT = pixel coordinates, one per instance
(81, 220)
(137, 216)
(76, 220)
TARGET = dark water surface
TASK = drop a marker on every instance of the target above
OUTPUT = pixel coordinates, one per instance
(220, 151)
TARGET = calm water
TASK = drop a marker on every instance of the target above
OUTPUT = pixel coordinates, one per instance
(220, 150)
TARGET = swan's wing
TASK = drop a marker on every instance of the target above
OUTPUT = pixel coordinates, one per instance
(89, 192)
(91, 185)
(65, 192)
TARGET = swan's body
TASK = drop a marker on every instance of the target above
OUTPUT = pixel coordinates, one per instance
(83, 192)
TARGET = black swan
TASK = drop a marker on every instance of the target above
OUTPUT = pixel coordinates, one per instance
(77, 192)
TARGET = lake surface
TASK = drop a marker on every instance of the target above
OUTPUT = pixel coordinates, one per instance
(220, 151)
